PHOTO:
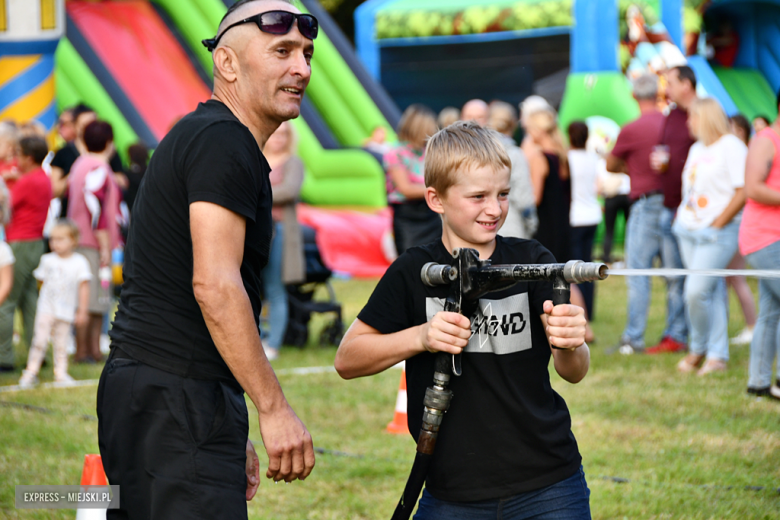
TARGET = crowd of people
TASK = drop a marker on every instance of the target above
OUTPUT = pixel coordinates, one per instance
(677, 174)
(63, 213)
(680, 174)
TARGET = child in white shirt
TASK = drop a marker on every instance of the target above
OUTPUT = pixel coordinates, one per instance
(63, 300)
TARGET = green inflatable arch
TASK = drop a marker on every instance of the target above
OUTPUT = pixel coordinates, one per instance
(345, 177)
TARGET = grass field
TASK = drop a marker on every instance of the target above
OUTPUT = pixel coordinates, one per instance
(656, 444)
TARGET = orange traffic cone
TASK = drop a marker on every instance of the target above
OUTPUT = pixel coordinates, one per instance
(93, 475)
(399, 425)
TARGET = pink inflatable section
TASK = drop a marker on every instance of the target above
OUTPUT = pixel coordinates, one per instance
(352, 242)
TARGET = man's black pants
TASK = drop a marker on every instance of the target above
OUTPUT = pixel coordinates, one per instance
(175, 446)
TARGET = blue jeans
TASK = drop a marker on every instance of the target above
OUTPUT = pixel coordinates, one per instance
(567, 500)
(766, 336)
(705, 296)
(275, 292)
(649, 234)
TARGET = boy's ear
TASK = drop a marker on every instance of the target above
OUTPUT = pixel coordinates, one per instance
(434, 200)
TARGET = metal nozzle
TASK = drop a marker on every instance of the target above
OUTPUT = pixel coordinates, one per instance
(438, 274)
(577, 271)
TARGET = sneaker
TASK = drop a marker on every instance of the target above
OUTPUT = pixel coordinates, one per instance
(271, 353)
(65, 380)
(627, 348)
(743, 338)
(28, 380)
(773, 392)
(667, 345)
(758, 392)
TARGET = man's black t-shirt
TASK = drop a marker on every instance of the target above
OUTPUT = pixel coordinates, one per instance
(208, 156)
(507, 431)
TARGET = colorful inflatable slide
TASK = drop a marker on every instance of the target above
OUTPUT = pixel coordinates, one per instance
(141, 65)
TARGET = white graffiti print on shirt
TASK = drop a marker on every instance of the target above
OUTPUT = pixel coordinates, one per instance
(497, 327)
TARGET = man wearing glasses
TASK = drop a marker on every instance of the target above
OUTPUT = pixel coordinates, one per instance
(173, 425)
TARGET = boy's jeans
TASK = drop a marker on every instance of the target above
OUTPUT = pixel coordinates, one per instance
(567, 500)
(705, 296)
(766, 337)
(649, 234)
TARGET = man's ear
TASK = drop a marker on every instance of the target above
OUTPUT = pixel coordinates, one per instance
(434, 200)
(226, 63)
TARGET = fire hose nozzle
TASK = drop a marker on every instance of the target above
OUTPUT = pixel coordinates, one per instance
(577, 271)
(438, 274)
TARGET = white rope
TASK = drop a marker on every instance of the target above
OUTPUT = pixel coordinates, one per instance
(72, 384)
(721, 273)
(298, 371)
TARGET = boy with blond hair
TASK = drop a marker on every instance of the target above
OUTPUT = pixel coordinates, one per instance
(506, 448)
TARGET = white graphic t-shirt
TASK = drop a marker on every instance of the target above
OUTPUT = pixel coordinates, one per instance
(61, 278)
(711, 175)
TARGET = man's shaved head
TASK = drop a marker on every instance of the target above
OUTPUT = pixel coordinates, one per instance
(261, 76)
(239, 11)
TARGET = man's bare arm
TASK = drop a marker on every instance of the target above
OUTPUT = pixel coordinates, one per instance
(615, 164)
(58, 181)
(760, 156)
(218, 248)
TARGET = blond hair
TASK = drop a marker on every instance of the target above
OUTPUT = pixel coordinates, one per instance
(713, 123)
(447, 116)
(462, 144)
(503, 117)
(545, 121)
(417, 124)
(70, 226)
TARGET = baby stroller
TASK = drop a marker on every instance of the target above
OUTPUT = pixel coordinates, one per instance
(302, 304)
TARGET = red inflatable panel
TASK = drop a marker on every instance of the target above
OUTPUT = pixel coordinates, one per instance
(144, 58)
(350, 241)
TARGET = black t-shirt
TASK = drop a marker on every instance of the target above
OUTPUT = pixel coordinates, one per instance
(507, 431)
(67, 155)
(208, 156)
(134, 176)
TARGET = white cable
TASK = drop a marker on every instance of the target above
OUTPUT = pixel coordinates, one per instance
(721, 273)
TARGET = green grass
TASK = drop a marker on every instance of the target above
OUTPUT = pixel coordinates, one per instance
(688, 446)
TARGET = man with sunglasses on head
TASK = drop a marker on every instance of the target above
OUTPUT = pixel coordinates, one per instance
(173, 427)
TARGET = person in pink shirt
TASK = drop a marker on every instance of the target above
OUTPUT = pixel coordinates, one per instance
(759, 242)
(30, 197)
(93, 204)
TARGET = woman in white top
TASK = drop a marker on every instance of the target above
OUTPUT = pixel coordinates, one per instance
(707, 228)
(585, 211)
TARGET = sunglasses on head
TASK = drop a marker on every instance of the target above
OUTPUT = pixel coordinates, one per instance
(273, 22)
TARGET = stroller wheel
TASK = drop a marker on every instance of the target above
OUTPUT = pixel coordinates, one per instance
(332, 333)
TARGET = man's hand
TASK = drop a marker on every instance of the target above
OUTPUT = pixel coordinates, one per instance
(446, 332)
(565, 325)
(288, 445)
(252, 470)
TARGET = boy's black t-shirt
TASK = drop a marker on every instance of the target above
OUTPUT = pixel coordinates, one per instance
(208, 156)
(507, 431)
